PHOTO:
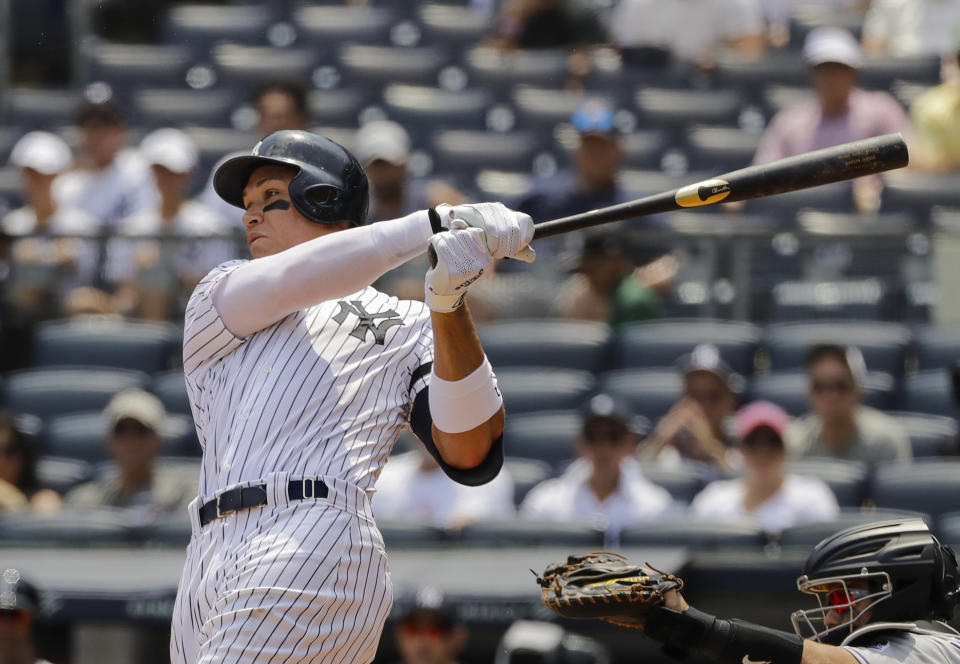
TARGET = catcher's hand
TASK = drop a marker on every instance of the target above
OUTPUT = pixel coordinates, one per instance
(605, 585)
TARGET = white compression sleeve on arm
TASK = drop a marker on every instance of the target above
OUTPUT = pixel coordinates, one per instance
(265, 290)
(460, 405)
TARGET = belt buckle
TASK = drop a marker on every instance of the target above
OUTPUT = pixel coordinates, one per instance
(313, 487)
(217, 505)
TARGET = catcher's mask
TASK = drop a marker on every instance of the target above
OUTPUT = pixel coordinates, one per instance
(895, 569)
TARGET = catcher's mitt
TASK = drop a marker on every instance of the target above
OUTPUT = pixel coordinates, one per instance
(605, 585)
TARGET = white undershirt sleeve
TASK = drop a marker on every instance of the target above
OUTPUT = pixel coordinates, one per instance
(266, 290)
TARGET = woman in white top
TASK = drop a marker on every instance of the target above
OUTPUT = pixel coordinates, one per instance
(764, 493)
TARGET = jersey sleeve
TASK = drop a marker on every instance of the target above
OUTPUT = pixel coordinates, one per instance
(205, 336)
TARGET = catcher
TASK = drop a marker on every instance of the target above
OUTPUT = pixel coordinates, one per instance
(885, 591)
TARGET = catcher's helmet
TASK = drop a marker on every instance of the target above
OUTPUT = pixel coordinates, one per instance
(330, 186)
(899, 565)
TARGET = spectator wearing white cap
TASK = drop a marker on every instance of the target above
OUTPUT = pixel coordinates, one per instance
(764, 494)
(838, 424)
(841, 111)
(179, 239)
(45, 268)
(906, 28)
(136, 421)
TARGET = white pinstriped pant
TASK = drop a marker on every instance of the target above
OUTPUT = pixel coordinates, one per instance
(292, 581)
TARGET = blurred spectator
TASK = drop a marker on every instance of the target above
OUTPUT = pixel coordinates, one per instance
(153, 277)
(281, 105)
(109, 181)
(135, 483)
(605, 485)
(45, 269)
(546, 24)
(911, 27)
(695, 427)
(19, 485)
(764, 492)
(535, 642)
(646, 30)
(19, 602)
(936, 123)
(840, 113)
(413, 487)
(838, 424)
(608, 288)
(430, 631)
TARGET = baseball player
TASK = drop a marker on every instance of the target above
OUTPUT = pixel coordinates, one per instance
(884, 591)
(300, 377)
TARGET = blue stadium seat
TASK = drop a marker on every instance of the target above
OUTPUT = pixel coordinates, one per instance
(930, 435)
(126, 66)
(83, 436)
(849, 480)
(11, 188)
(930, 487)
(842, 245)
(494, 69)
(880, 72)
(777, 97)
(683, 481)
(720, 149)
(170, 387)
(808, 535)
(339, 106)
(696, 534)
(545, 343)
(67, 528)
(140, 345)
(930, 392)
(202, 26)
(948, 530)
(214, 143)
(547, 436)
(919, 192)
(525, 532)
(774, 68)
(651, 392)
(452, 25)
(661, 343)
(423, 109)
(865, 299)
(789, 389)
(668, 107)
(837, 197)
(414, 534)
(379, 65)
(544, 107)
(526, 474)
(883, 344)
(31, 108)
(8, 138)
(256, 65)
(936, 347)
(496, 185)
(62, 473)
(326, 26)
(528, 389)
(642, 149)
(50, 391)
(172, 530)
(465, 150)
(165, 107)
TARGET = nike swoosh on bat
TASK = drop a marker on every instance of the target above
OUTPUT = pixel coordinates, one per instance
(747, 660)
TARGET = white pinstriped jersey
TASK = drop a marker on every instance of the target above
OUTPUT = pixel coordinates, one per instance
(323, 392)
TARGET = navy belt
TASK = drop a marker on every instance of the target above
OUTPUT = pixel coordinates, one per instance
(243, 498)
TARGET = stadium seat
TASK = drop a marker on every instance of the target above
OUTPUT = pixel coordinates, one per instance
(398, 534)
(651, 392)
(547, 436)
(936, 347)
(642, 148)
(544, 107)
(880, 72)
(865, 299)
(528, 389)
(172, 530)
(526, 474)
(683, 481)
(11, 188)
(62, 474)
(839, 245)
(662, 343)
(202, 26)
(165, 107)
(34, 108)
(339, 106)
(695, 534)
(720, 149)
(379, 65)
(83, 436)
(667, 107)
(788, 389)
(421, 109)
(494, 185)
(140, 345)
(324, 26)
(170, 387)
(809, 534)
(948, 530)
(525, 532)
(50, 391)
(930, 487)
(545, 343)
(257, 65)
(849, 480)
(214, 143)
(126, 66)
(452, 26)
(774, 68)
(919, 192)
(778, 97)
(8, 138)
(837, 196)
(883, 344)
(930, 435)
(493, 69)
(460, 150)
(67, 528)
(930, 392)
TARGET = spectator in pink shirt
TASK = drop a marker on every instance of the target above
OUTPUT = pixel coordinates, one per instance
(841, 111)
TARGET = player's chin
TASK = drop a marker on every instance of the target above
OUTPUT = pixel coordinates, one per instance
(260, 247)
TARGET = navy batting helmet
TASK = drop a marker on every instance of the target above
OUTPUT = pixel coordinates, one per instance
(329, 187)
(899, 565)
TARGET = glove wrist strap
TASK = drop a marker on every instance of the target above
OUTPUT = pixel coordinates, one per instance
(435, 224)
(724, 641)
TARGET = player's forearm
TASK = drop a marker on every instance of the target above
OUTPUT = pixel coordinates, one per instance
(263, 291)
(458, 356)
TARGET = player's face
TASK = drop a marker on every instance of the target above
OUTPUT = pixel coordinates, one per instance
(833, 393)
(840, 598)
(272, 222)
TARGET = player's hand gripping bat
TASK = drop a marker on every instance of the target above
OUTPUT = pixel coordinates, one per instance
(811, 169)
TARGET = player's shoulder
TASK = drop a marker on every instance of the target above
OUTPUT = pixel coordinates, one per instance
(213, 275)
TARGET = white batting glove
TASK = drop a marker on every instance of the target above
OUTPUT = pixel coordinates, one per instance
(508, 232)
(461, 258)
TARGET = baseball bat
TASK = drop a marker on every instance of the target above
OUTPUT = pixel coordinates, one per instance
(810, 169)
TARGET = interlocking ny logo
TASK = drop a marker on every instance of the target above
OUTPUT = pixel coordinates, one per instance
(367, 321)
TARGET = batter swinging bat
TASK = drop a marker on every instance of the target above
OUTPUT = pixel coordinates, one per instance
(811, 169)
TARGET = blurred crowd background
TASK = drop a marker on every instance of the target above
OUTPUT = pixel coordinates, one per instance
(744, 378)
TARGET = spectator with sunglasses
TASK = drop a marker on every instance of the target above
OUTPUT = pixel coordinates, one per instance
(764, 493)
(839, 425)
(604, 486)
(18, 607)
(430, 632)
(135, 483)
